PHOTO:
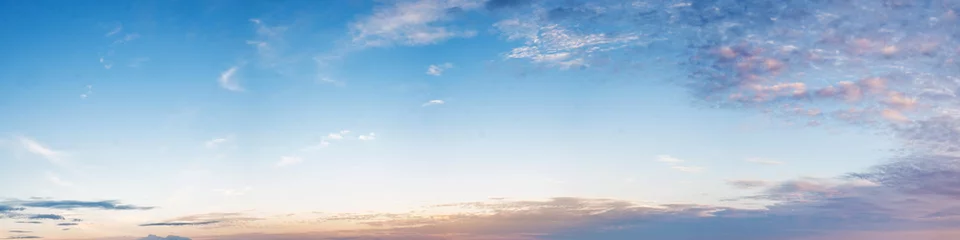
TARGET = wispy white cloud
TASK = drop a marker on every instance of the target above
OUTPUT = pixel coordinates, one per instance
(32, 146)
(368, 137)
(668, 159)
(437, 70)
(234, 192)
(269, 43)
(419, 22)
(216, 142)
(228, 80)
(557, 45)
(328, 80)
(764, 161)
(138, 62)
(689, 169)
(53, 178)
(674, 163)
(289, 160)
(115, 30)
(433, 102)
(127, 38)
(325, 140)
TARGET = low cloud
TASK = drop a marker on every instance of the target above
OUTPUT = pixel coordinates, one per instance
(24, 237)
(74, 204)
(179, 223)
(748, 184)
(170, 237)
(218, 219)
(47, 216)
(67, 224)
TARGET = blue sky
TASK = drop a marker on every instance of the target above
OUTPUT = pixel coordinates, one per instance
(306, 119)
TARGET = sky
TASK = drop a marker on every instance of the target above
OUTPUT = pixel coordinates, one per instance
(480, 119)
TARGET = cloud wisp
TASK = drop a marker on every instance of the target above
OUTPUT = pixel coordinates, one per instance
(228, 80)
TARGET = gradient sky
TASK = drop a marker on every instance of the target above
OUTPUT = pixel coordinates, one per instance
(479, 119)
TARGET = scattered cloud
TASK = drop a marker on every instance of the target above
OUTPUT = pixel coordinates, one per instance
(88, 92)
(368, 137)
(763, 161)
(433, 102)
(437, 70)
(500, 4)
(289, 160)
(420, 22)
(19, 231)
(29, 222)
(228, 80)
(68, 224)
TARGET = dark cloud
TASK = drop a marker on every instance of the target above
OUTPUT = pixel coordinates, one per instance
(24, 237)
(67, 224)
(47, 216)
(171, 237)
(5, 208)
(76, 220)
(30, 222)
(73, 204)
